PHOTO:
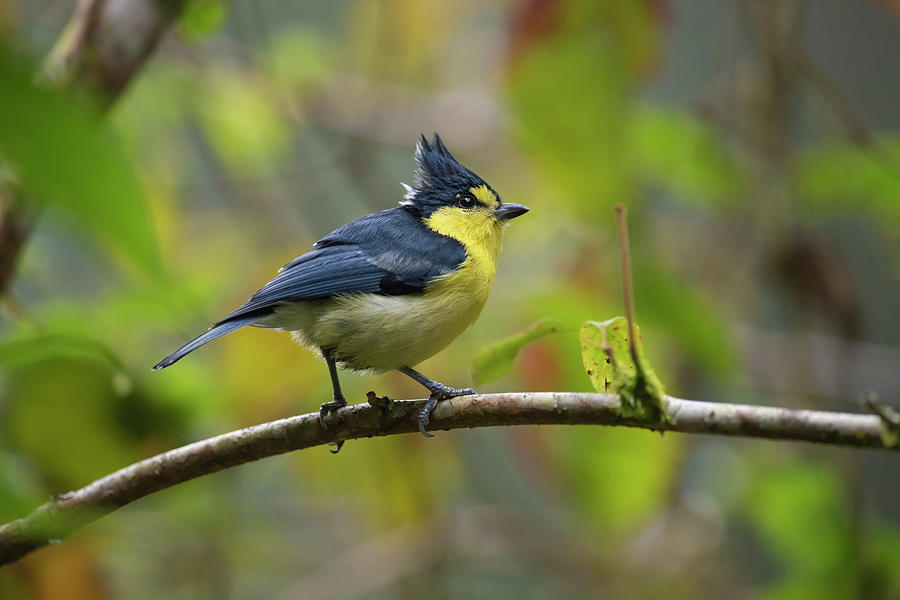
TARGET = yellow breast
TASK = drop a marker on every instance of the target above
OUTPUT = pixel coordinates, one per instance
(480, 233)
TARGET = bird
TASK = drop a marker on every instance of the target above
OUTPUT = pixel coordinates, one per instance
(392, 288)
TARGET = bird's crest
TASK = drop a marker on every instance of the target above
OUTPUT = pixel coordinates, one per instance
(438, 170)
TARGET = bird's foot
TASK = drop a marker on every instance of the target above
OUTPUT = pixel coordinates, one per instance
(443, 392)
(338, 403)
(438, 393)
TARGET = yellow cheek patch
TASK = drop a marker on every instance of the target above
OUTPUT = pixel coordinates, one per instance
(477, 229)
(484, 195)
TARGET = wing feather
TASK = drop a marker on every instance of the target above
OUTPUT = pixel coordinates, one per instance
(389, 252)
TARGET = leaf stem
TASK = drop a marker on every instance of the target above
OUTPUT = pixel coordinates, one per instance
(627, 285)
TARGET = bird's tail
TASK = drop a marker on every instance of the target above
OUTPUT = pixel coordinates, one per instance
(214, 332)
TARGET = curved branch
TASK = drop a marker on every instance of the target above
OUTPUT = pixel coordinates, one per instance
(59, 517)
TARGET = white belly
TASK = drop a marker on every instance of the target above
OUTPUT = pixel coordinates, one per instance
(370, 332)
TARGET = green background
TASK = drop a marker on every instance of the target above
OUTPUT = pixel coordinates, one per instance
(766, 239)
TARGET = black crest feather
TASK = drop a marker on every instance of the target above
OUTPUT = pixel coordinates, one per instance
(439, 176)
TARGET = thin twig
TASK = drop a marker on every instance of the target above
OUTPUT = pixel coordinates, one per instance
(627, 286)
(889, 415)
(58, 518)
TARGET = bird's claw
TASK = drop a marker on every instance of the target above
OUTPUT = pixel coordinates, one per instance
(438, 394)
(443, 392)
(425, 415)
(329, 407)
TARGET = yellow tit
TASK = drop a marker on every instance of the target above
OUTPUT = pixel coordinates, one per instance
(392, 288)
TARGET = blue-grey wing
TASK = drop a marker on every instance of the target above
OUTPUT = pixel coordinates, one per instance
(389, 252)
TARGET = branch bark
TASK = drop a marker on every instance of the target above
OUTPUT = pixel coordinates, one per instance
(58, 518)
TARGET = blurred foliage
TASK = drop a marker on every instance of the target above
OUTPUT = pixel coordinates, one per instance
(202, 18)
(496, 360)
(801, 514)
(835, 177)
(261, 126)
(63, 155)
(678, 152)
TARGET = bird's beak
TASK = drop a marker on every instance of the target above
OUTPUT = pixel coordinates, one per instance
(509, 210)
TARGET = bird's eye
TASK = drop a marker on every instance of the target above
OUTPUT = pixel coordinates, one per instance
(466, 201)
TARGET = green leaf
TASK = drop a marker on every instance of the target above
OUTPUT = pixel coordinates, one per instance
(63, 154)
(28, 350)
(202, 18)
(496, 360)
(595, 338)
(606, 354)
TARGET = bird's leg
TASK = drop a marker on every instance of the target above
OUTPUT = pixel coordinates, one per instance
(339, 400)
(439, 392)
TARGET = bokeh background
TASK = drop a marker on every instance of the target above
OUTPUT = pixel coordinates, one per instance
(756, 145)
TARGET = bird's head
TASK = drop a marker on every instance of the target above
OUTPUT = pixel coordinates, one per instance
(453, 200)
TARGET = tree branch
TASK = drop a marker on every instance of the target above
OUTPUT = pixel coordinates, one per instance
(106, 43)
(64, 514)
